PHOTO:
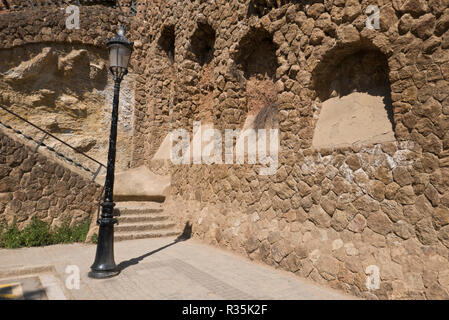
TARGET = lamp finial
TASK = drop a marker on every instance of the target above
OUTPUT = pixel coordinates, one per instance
(121, 31)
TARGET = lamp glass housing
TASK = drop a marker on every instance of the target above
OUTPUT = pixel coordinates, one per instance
(119, 55)
(120, 50)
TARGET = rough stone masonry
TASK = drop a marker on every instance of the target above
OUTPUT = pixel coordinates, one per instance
(369, 215)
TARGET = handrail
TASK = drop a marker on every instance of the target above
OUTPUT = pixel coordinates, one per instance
(41, 143)
(48, 133)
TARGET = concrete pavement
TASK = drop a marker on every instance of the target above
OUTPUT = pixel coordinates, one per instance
(156, 269)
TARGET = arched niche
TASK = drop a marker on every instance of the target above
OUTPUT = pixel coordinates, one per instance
(353, 87)
(203, 43)
(256, 57)
(166, 42)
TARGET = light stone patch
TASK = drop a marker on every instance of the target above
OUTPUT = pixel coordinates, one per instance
(337, 244)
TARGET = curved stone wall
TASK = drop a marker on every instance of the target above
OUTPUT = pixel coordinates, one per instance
(57, 78)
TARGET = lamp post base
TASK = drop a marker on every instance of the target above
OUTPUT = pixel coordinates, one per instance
(104, 265)
(97, 274)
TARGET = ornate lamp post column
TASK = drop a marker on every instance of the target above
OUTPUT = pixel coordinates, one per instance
(104, 265)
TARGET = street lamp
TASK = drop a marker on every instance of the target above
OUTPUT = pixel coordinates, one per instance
(104, 265)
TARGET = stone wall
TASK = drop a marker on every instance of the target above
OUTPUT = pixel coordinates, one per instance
(97, 23)
(337, 215)
(73, 63)
(33, 185)
(342, 215)
(17, 5)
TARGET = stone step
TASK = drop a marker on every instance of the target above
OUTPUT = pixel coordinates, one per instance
(126, 227)
(139, 205)
(132, 218)
(126, 211)
(142, 219)
(138, 208)
(146, 234)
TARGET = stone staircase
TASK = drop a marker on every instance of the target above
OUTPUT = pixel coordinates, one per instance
(142, 219)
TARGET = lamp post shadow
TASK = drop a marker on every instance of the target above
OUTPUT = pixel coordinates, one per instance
(186, 234)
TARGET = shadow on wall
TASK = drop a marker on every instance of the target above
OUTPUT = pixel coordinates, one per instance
(186, 233)
(64, 89)
(356, 99)
(202, 43)
(263, 7)
(56, 86)
(167, 41)
(32, 67)
(256, 57)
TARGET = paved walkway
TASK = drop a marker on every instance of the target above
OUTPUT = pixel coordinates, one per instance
(158, 269)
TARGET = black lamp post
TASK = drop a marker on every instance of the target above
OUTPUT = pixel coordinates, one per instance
(104, 265)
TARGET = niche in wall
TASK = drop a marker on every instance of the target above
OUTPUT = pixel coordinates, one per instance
(202, 43)
(167, 41)
(356, 100)
(256, 57)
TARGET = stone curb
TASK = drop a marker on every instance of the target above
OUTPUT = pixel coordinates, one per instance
(25, 270)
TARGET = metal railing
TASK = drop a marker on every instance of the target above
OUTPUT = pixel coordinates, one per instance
(40, 143)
